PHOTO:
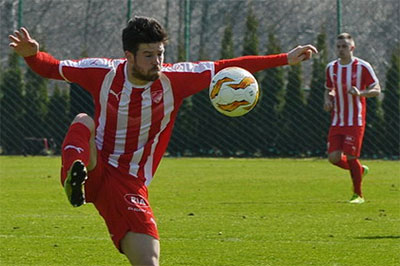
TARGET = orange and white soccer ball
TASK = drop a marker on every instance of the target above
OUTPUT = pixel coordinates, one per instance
(234, 91)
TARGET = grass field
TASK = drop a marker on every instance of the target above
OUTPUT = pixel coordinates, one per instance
(211, 212)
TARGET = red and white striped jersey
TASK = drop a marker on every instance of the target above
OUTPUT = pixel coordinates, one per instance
(349, 110)
(134, 123)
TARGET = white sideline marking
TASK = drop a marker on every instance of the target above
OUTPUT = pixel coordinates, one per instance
(50, 236)
(53, 216)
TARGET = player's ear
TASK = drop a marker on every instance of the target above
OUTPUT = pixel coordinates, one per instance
(129, 55)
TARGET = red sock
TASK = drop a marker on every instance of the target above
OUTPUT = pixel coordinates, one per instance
(343, 163)
(356, 175)
(75, 146)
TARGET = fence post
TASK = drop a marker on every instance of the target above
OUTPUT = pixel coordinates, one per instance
(339, 16)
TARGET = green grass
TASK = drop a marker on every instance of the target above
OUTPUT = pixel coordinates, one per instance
(212, 212)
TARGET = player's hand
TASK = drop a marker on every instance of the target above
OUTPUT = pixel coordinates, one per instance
(23, 44)
(354, 91)
(328, 105)
(301, 53)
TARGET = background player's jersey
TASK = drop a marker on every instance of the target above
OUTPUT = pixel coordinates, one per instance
(349, 110)
(134, 123)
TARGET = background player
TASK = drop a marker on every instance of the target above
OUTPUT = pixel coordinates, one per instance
(349, 80)
(111, 159)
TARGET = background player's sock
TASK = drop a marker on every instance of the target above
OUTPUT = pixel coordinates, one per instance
(343, 163)
(75, 147)
(356, 175)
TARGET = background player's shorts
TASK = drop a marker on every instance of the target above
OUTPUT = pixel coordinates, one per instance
(347, 139)
(121, 200)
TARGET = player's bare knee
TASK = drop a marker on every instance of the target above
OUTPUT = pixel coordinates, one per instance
(86, 120)
(141, 249)
(334, 158)
(150, 260)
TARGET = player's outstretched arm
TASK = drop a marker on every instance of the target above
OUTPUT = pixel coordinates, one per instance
(301, 53)
(23, 44)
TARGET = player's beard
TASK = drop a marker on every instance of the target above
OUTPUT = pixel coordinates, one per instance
(151, 75)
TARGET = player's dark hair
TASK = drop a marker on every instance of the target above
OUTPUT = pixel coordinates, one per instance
(346, 36)
(142, 30)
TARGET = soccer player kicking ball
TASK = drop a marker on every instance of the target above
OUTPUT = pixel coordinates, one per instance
(349, 81)
(111, 159)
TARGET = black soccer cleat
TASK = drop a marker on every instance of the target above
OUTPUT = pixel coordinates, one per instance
(73, 184)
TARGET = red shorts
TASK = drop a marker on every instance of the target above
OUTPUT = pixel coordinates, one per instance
(346, 139)
(121, 200)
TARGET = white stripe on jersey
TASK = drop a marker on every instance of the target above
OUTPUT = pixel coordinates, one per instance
(168, 108)
(191, 67)
(358, 99)
(145, 124)
(340, 93)
(349, 71)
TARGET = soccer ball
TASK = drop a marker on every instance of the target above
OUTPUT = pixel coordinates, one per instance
(234, 91)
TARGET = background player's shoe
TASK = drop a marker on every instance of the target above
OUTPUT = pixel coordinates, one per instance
(73, 184)
(365, 170)
(356, 199)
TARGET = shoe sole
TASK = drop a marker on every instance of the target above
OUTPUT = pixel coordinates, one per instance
(75, 181)
(365, 170)
(357, 202)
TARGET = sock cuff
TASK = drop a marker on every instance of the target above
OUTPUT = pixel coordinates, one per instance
(81, 128)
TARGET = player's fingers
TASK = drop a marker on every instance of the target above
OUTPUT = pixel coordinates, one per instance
(308, 54)
(302, 57)
(13, 38)
(18, 35)
(13, 44)
(311, 47)
(25, 33)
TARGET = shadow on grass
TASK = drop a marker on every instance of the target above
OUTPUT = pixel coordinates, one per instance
(378, 237)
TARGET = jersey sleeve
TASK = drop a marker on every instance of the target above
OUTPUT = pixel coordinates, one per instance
(368, 76)
(189, 78)
(87, 72)
(44, 65)
(253, 63)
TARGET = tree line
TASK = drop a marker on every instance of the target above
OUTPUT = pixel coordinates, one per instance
(289, 119)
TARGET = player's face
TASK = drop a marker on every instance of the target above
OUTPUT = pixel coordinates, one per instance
(147, 61)
(344, 49)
